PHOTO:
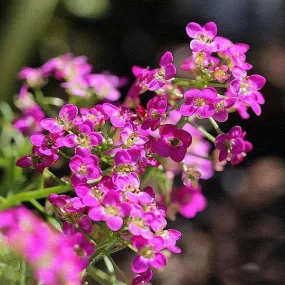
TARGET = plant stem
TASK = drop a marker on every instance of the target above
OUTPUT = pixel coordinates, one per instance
(40, 99)
(23, 272)
(215, 125)
(101, 277)
(200, 156)
(101, 251)
(38, 206)
(203, 132)
(63, 154)
(219, 85)
(123, 275)
(37, 194)
(54, 177)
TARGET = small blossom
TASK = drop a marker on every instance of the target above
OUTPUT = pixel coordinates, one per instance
(85, 164)
(172, 143)
(189, 200)
(156, 108)
(112, 211)
(166, 71)
(148, 254)
(201, 103)
(65, 121)
(203, 37)
(37, 160)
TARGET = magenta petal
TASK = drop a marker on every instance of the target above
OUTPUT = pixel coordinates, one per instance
(257, 80)
(75, 163)
(69, 229)
(24, 162)
(70, 141)
(220, 140)
(238, 72)
(37, 139)
(110, 109)
(237, 146)
(192, 93)
(83, 152)
(221, 116)
(223, 154)
(158, 261)
(170, 71)
(235, 132)
(193, 30)
(51, 125)
(96, 213)
(90, 201)
(256, 108)
(114, 223)
(85, 224)
(112, 198)
(178, 153)
(166, 59)
(211, 29)
(68, 112)
(140, 264)
(162, 148)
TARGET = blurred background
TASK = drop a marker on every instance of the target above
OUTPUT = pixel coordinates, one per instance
(240, 238)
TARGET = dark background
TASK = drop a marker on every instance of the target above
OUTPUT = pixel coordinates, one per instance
(240, 238)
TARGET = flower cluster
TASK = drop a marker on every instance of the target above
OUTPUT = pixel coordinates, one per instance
(55, 259)
(123, 158)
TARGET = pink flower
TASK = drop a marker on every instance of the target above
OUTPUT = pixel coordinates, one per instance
(65, 121)
(200, 102)
(126, 160)
(143, 278)
(232, 145)
(203, 36)
(95, 115)
(85, 164)
(172, 143)
(29, 120)
(118, 116)
(130, 136)
(156, 108)
(37, 160)
(85, 137)
(82, 247)
(50, 254)
(189, 200)
(148, 254)
(143, 77)
(112, 211)
(246, 88)
(166, 71)
(170, 237)
(105, 86)
(47, 144)
(77, 86)
(33, 76)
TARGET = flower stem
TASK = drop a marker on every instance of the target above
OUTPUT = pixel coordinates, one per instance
(63, 154)
(200, 156)
(101, 277)
(23, 272)
(101, 251)
(37, 194)
(50, 174)
(219, 85)
(215, 125)
(123, 275)
(38, 206)
(203, 132)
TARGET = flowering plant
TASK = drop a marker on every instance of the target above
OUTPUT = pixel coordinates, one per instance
(122, 157)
